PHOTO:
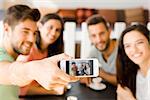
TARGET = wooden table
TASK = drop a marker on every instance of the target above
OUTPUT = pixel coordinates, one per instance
(82, 92)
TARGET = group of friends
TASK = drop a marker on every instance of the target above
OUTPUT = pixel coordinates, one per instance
(32, 48)
(81, 69)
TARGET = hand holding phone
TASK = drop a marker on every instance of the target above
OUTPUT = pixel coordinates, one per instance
(81, 67)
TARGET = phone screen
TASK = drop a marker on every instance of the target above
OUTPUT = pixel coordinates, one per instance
(79, 67)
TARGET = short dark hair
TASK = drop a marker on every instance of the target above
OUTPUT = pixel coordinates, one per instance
(73, 63)
(95, 19)
(17, 13)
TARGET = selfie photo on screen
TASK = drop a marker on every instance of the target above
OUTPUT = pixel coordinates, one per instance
(79, 68)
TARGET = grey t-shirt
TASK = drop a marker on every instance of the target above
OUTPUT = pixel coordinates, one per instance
(110, 65)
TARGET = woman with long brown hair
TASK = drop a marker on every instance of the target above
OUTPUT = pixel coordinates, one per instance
(133, 64)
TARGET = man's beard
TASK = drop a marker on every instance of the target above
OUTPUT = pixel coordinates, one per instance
(19, 50)
(106, 47)
(16, 51)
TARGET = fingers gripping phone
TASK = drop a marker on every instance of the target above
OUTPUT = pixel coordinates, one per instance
(81, 67)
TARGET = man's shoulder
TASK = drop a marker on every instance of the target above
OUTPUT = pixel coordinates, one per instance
(2, 51)
(94, 52)
(4, 55)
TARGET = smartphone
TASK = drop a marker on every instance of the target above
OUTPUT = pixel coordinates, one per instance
(81, 67)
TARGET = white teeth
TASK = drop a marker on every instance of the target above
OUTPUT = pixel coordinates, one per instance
(51, 37)
(136, 55)
(27, 45)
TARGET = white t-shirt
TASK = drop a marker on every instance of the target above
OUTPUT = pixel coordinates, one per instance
(143, 86)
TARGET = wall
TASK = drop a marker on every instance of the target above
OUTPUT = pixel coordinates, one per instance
(113, 4)
(119, 4)
(73, 4)
(148, 7)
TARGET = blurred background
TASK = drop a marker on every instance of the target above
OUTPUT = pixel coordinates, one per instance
(47, 6)
(77, 11)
